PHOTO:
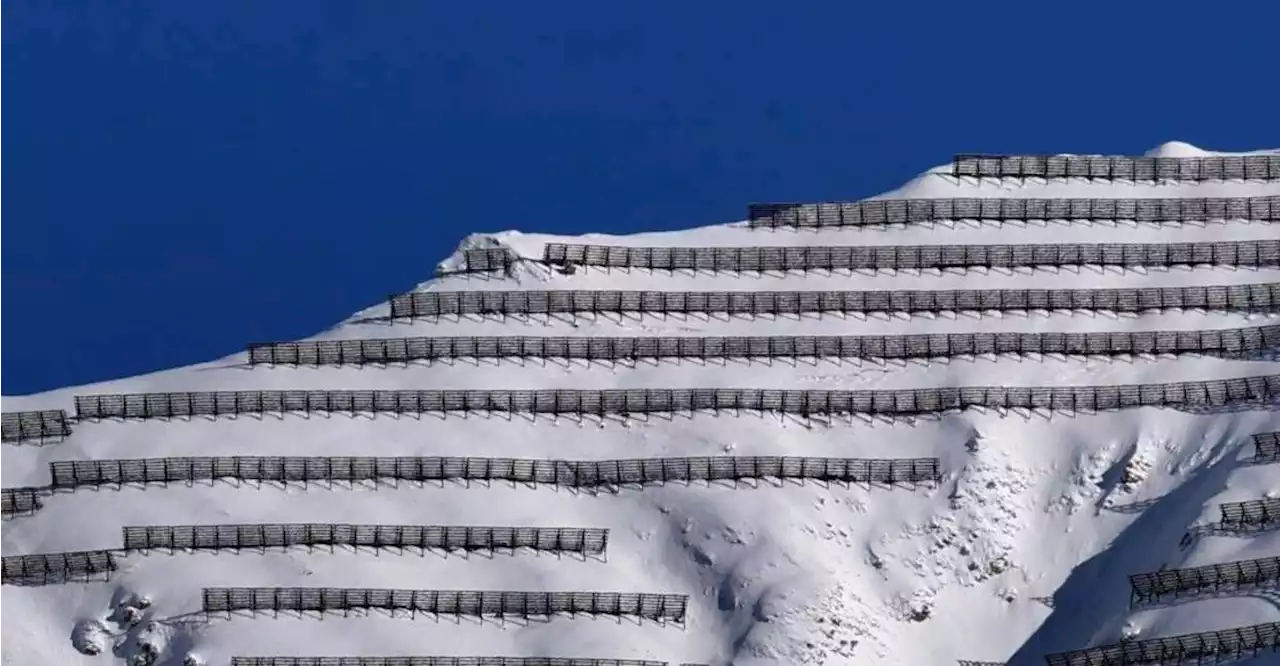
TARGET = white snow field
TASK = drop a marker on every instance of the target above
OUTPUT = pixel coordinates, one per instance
(1023, 548)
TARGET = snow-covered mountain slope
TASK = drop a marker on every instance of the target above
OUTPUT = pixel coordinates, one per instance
(1024, 548)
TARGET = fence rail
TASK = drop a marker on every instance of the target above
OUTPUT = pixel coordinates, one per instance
(1262, 297)
(1156, 586)
(591, 541)
(569, 473)
(1253, 254)
(49, 568)
(923, 211)
(1250, 513)
(1114, 167)
(1209, 394)
(1228, 342)
(39, 425)
(1266, 447)
(1206, 647)
(440, 661)
(659, 607)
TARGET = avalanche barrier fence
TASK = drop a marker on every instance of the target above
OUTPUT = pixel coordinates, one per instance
(1157, 586)
(19, 501)
(1205, 648)
(40, 425)
(1251, 254)
(1194, 395)
(1228, 343)
(441, 661)
(50, 568)
(471, 603)
(1261, 297)
(479, 260)
(923, 211)
(1250, 513)
(1118, 167)
(568, 473)
(589, 541)
(1266, 447)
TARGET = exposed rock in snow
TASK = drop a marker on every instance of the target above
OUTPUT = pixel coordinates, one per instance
(90, 637)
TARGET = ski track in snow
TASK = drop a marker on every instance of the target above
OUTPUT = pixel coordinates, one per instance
(1024, 548)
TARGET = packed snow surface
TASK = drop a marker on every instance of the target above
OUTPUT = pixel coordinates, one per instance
(1023, 549)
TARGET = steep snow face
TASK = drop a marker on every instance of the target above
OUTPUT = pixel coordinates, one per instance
(1024, 548)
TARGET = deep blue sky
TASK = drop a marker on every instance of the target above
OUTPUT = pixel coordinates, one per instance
(185, 177)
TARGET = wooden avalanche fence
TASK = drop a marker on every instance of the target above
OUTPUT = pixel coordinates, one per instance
(569, 473)
(1201, 648)
(441, 661)
(56, 567)
(24, 426)
(924, 211)
(1261, 298)
(1116, 167)
(443, 537)
(1195, 395)
(1226, 577)
(1227, 343)
(476, 603)
(1252, 254)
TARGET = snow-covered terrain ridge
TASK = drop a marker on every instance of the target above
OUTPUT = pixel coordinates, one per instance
(1022, 548)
